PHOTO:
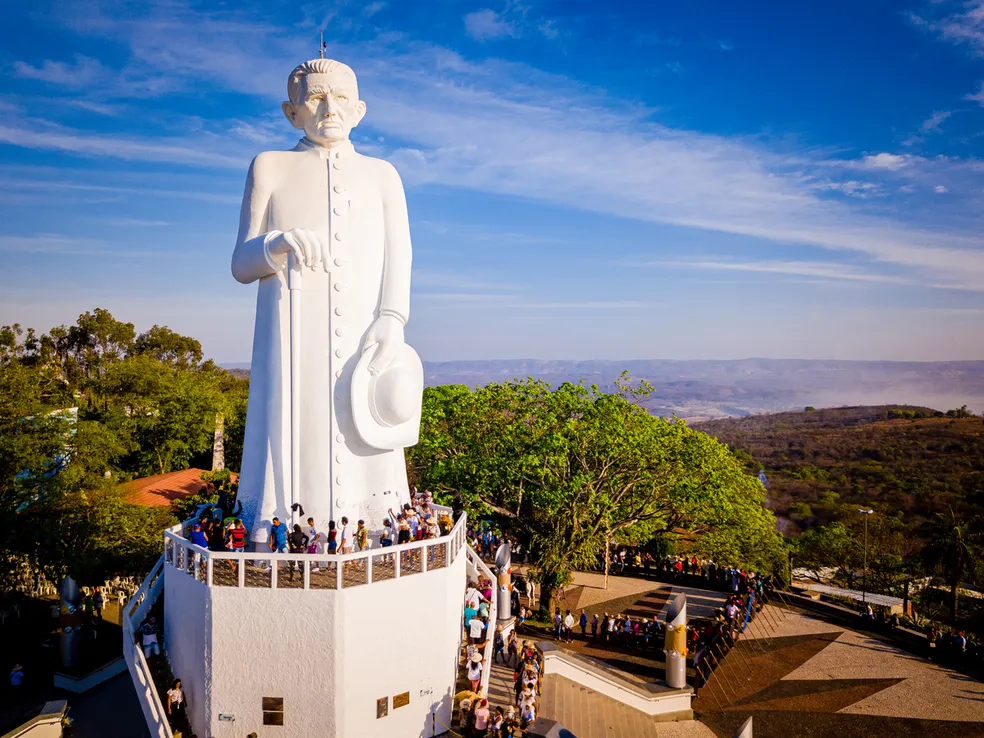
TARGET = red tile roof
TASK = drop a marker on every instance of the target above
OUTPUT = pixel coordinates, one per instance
(163, 490)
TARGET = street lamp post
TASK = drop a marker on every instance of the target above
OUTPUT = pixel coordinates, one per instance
(864, 573)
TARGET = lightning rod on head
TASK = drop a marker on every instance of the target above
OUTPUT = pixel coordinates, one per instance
(321, 47)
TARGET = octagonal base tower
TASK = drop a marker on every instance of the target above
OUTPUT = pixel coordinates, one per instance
(364, 644)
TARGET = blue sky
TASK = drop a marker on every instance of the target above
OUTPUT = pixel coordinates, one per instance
(585, 180)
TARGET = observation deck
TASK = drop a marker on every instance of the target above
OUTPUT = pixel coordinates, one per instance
(265, 570)
(309, 642)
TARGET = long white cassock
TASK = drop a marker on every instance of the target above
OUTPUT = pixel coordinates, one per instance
(357, 205)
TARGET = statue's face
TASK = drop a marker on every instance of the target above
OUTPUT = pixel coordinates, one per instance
(328, 109)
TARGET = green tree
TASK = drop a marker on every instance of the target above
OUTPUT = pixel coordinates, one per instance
(167, 413)
(32, 441)
(953, 550)
(163, 344)
(566, 467)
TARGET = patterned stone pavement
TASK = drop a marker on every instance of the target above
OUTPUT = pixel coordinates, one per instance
(799, 676)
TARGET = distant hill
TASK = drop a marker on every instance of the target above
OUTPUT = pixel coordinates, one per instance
(907, 457)
(713, 389)
(700, 390)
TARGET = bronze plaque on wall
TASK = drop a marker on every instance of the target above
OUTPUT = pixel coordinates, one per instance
(401, 700)
(382, 707)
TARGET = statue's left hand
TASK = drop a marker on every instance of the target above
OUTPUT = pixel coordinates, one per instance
(387, 334)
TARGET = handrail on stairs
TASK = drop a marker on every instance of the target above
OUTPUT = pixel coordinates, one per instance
(143, 679)
(477, 562)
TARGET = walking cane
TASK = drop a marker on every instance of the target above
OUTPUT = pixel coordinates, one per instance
(294, 287)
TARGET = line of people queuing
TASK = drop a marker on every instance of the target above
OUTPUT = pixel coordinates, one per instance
(687, 569)
(476, 717)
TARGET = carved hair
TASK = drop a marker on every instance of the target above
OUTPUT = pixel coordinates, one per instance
(317, 66)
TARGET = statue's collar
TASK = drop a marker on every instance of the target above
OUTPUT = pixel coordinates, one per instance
(306, 144)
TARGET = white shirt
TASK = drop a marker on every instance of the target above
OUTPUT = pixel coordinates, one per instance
(569, 621)
(176, 696)
(472, 597)
(474, 670)
(345, 537)
(475, 628)
(312, 535)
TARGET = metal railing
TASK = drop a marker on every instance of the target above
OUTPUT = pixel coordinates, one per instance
(265, 570)
(477, 562)
(143, 680)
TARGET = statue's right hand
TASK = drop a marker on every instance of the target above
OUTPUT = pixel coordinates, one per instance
(304, 244)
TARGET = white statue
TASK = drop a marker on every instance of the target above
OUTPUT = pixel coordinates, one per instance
(342, 218)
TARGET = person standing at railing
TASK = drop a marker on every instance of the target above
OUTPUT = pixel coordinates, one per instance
(316, 539)
(198, 536)
(297, 542)
(345, 537)
(361, 536)
(332, 537)
(386, 537)
(278, 537)
(413, 521)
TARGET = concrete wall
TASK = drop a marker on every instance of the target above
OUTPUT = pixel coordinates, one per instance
(92, 679)
(187, 626)
(401, 636)
(329, 654)
(672, 704)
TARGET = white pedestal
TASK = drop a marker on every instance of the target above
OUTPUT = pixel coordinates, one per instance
(333, 656)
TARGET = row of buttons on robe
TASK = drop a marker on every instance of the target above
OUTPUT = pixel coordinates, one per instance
(339, 286)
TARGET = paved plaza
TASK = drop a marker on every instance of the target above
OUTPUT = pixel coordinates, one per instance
(797, 675)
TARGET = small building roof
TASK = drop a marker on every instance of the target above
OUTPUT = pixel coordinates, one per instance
(163, 490)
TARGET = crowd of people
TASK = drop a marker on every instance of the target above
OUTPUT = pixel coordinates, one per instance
(955, 648)
(477, 718)
(218, 530)
(689, 570)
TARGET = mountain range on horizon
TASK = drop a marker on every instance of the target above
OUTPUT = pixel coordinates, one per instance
(708, 389)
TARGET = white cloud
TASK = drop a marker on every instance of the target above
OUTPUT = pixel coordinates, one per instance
(822, 270)
(935, 120)
(511, 129)
(485, 25)
(957, 22)
(46, 243)
(940, 189)
(196, 153)
(854, 188)
(136, 222)
(978, 96)
(95, 107)
(892, 162)
(85, 72)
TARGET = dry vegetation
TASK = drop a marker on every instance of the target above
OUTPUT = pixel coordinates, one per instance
(906, 458)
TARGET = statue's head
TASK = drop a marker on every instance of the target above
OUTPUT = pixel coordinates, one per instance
(324, 100)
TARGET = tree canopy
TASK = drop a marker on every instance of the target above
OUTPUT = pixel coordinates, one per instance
(84, 408)
(567, 468)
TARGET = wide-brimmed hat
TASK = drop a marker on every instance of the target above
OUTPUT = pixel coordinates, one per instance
(476, 658)
(386, 405)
